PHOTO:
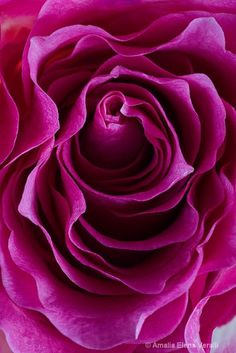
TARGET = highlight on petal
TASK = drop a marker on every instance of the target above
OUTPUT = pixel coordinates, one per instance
(223, 338)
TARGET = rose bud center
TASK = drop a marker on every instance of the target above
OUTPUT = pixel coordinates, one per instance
(110, 139)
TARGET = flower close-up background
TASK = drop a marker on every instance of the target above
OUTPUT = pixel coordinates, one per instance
(118, 176)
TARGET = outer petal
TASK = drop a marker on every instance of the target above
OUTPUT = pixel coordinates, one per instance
(216, 309)
(4, 348)
(31, 333)
(13, 8)
(224, 338)
(8, 122)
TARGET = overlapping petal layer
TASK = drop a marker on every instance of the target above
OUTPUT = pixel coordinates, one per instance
(118, 174)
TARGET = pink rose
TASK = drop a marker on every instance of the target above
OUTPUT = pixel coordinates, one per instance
(118, 175)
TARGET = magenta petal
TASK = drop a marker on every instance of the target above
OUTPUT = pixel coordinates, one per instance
(9, 122)
(212, 115)
(30, 333)
(221, 243)
(201, 31)
(4, 347)
(216, 309)
(117, 211)
(26, 7)
(181, 230)
(39, 126)
(170, 317)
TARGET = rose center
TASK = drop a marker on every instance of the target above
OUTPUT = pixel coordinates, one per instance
(109, 139)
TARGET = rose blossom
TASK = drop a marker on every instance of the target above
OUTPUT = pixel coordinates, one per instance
(117, 175)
